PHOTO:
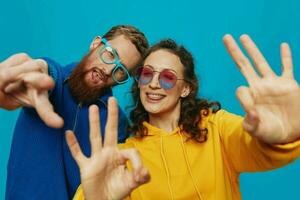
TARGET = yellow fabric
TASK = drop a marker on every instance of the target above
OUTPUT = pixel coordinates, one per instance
(79, 194)
(183, 169)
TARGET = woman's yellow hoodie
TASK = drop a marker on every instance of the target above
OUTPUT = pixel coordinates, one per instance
(185, 169)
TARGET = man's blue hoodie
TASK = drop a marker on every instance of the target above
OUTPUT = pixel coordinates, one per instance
(40, 165)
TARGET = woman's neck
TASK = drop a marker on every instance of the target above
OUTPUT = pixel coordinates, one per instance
(167, 121)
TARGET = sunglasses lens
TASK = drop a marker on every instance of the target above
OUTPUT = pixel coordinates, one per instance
(145, 75)
(167, 79)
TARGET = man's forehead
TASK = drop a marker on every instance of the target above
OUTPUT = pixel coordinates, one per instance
(126, 50)
(121, 43)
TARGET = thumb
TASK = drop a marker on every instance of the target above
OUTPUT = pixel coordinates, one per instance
(45, 110)
(251, 122)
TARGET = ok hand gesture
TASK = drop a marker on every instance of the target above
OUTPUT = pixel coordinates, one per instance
(271, 102)
(104, 174)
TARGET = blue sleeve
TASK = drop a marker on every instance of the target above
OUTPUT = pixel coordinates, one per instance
(35, 168)
(52, 69)
(55, 71)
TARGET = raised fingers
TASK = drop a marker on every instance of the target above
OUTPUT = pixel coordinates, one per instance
(260, 62)
(240, 59)
(111, 128)
(75, 148)
(287, 61)
(95, 129)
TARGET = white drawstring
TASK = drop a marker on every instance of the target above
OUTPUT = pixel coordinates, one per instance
(189, 167)
(166, 167)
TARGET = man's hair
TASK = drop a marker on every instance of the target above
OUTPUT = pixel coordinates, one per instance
(133, 34)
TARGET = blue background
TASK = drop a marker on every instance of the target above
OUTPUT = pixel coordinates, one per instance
(63, 30)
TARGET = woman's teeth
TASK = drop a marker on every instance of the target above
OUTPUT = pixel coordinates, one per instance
(154, 96)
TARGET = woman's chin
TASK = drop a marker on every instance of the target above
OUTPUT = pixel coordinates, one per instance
(153, 110)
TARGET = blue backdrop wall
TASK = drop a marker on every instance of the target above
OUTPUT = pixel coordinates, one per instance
(63, 30)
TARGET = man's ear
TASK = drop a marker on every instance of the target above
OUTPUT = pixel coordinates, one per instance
(186, 91)
(96, 42)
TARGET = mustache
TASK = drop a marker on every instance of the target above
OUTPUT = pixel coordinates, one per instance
(79, 89)
(99, 73)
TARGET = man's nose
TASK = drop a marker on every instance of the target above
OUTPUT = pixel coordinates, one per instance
(108, 69)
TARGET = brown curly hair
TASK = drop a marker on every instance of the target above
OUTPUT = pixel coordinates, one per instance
(191, 107)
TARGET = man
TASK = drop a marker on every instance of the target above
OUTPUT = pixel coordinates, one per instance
(40, 164)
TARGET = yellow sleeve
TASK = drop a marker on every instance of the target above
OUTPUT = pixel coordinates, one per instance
(247, 153)
(128, 144)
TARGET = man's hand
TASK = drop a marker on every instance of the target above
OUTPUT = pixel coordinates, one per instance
(104, 175)
(271, 102)
(25, 82)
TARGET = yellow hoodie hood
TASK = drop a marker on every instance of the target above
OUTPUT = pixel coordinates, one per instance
(163, 137)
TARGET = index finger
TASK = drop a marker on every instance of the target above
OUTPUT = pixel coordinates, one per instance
(15, 59)
(111, 128)
(141, 174)
(134, 157)
(240, 59)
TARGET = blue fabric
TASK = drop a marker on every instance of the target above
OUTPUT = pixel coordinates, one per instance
(40, 164)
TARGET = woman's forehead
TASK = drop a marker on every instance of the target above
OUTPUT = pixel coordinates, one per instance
(162, 59)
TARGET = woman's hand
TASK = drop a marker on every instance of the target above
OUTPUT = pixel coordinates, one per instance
(104, 174)
(271, 102)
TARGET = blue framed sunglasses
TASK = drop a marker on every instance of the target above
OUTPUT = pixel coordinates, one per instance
(109, 55)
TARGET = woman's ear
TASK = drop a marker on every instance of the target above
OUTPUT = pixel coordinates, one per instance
(186, 91)
(96, 42)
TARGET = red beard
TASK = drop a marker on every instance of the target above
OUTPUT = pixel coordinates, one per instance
(82, 92)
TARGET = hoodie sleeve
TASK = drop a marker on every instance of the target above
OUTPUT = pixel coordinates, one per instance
(127, 145)
(247, 153)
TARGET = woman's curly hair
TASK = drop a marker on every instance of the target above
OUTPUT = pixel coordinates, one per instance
(192, 109)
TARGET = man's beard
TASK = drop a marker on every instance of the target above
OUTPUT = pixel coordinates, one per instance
(82, 92)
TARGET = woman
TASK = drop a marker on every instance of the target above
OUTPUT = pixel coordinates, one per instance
(192, 149)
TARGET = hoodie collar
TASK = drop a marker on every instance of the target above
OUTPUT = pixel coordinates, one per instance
(153, 130)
